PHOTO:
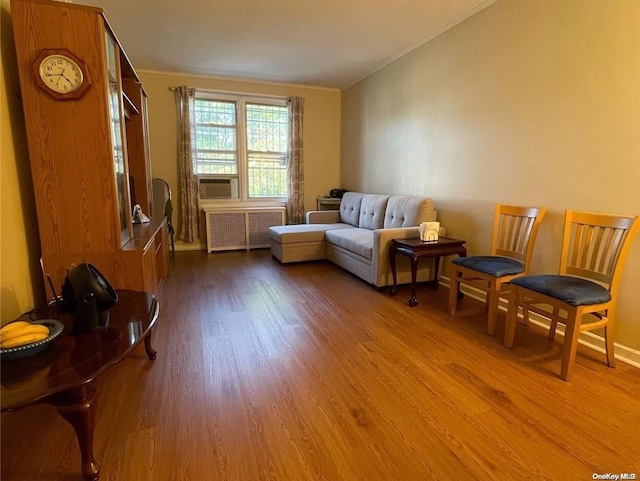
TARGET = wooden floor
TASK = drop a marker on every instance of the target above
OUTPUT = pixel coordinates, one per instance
(304, 372)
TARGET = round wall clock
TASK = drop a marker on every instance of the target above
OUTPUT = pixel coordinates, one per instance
(61, 74)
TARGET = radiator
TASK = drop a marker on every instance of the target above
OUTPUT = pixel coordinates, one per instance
(238, 228)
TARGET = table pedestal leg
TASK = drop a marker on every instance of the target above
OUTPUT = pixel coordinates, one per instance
(80, 413)
(392, 264)
(151, 352)
(413, 300)
(461, 253)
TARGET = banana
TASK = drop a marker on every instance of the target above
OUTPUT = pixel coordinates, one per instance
(24, 339)
(13, 326)
(19, 333)
(23, 331)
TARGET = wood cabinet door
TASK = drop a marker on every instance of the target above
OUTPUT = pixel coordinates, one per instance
(150, 279)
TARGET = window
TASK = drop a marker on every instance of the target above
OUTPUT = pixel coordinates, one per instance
(216, 134)
(243, 138)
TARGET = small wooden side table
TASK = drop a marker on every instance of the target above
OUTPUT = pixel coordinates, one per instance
(415, 249)
(328, 203)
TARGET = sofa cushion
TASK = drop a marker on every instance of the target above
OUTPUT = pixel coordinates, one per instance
(285, 234)
(358, 241)
(408, 211)
(372, 211)
(350, 208)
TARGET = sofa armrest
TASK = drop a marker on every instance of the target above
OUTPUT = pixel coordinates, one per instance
(323, 217)
(382, 237)
(381, 243)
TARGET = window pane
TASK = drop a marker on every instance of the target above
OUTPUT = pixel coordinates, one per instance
(216, 163)
(215, 137)
(267, 175)
(266, 128)
(213, 112)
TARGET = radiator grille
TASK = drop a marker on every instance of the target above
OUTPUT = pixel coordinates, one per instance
(259, 223)
(227, 231)
(241, 228)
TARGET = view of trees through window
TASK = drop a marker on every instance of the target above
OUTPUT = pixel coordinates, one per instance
(263, 140)
(267, 128)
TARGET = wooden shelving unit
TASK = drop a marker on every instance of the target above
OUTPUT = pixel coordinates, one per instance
(88, 146)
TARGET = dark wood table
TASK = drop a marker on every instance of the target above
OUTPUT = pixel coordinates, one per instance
(416, 249)
(64, 372)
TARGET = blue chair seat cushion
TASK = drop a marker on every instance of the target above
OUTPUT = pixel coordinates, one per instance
(496, 266)
(572, 290)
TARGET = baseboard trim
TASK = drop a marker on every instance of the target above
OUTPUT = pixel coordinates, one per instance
(190, 246)
(624, 353)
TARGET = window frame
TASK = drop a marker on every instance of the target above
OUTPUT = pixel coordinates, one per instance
(242, 155)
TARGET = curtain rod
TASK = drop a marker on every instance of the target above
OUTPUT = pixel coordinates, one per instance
(238, 93)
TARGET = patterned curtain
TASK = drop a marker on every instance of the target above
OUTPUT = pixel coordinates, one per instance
(189, 231)
(295, 164)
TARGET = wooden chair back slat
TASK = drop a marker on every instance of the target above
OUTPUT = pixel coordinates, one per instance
(502, 229)
(514, 231)
(598, 262)
(608, 250)
(594, 244)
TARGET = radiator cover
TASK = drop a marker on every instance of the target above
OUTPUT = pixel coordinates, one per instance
(241, 228)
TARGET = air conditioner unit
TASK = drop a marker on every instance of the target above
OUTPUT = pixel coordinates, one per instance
(218, 187)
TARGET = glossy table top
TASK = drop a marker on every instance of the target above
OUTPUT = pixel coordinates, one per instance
(72, 360)
(420, 244)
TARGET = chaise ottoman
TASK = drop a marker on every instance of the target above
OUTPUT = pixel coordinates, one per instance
(301, 242)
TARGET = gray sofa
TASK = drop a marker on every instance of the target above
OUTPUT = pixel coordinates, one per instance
(357, 237)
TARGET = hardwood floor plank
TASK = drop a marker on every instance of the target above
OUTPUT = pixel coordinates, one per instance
(304, 372)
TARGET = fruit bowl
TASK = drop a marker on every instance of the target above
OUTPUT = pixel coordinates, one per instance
(26, 350)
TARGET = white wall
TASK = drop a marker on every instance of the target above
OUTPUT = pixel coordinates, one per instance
(527, 102)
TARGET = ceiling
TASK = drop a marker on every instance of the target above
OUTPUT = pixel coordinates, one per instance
(325, 43)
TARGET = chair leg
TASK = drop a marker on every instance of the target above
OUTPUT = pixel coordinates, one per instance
(553, 324)
(493, 298)
(512, 317)
(454, 284)
(171, 234)
(608, 338)
(570, 343)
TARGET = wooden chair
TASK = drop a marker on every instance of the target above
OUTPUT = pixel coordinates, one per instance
(514, 234)
(593, 253)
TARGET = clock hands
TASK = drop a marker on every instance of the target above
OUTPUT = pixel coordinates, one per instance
(64, 77)
(60, 75)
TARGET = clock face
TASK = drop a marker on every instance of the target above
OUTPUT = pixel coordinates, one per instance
(61, 73)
